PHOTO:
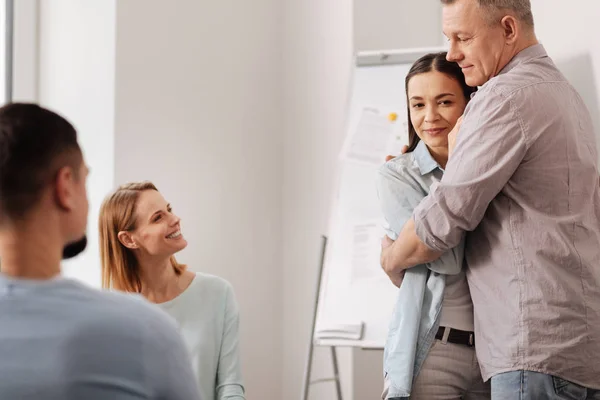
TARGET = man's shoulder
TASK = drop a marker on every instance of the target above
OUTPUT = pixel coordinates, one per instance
(539, 75)
(115, 312)
(107, 299)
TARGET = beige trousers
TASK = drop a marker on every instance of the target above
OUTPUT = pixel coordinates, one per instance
(450, 372)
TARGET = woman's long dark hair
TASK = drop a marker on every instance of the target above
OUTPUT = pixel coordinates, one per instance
(428, 63)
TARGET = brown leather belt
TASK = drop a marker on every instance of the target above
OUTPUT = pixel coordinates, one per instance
(457, 337)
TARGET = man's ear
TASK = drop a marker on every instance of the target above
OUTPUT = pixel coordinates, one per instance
(127, 240)
(64, 189)
(511, 29)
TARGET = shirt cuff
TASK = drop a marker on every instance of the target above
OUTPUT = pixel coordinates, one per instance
(424, 231)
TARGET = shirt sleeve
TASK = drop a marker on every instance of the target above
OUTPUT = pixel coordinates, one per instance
(229, 376)
(399, 194)
(490, 146)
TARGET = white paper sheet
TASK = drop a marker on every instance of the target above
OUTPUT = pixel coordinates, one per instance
(375, 135)
(365, 250)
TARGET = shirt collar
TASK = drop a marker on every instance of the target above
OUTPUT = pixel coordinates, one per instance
(424, 160)
(530, 53)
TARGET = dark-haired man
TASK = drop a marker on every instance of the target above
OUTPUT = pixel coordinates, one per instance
(58, 338)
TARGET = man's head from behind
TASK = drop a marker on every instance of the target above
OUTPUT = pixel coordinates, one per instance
(485, 35)
(42, 175)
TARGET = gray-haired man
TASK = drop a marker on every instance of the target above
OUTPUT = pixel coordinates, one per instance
(522, 183)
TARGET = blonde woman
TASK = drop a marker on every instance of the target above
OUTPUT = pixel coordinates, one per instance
(139, 236)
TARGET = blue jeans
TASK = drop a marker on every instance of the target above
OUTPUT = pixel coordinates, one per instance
(526, 385)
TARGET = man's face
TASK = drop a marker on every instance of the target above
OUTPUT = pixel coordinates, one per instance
(477, 45)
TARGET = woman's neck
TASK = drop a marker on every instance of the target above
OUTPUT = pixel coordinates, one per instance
(440, 155)
(160, 282)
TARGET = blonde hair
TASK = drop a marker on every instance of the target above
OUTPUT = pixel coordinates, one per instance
(120, 268)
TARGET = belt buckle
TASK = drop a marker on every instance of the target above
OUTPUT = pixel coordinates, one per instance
(471, 339)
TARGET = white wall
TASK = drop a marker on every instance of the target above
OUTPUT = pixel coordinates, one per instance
(25, 51)
(317, 38)
(76, 79)
(198, 111)
(570, 33)
(396, 24)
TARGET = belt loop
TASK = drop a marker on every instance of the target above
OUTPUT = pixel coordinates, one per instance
(446, 334)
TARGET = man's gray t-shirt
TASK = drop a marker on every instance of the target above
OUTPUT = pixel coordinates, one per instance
(62, 340)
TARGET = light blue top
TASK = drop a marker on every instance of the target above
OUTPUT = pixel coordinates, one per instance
(60, 340)
(403, 182)
(208, 317)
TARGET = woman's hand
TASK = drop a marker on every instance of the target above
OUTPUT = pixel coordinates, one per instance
(452, 136)
(404, 150)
